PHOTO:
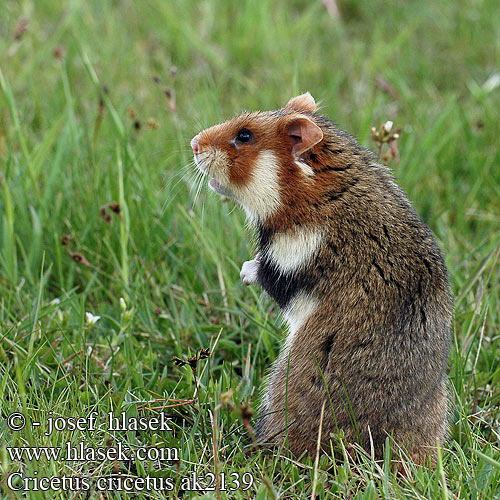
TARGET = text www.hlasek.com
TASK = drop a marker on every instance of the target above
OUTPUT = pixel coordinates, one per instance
(79, 452)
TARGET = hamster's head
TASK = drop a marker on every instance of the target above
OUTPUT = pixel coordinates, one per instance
(258, 158)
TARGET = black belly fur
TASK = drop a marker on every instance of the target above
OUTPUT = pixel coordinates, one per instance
(282, 287)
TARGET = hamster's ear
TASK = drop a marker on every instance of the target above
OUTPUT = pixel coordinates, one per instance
(304, 102)
(304, 134)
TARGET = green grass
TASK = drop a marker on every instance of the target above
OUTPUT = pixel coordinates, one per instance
(69, 147)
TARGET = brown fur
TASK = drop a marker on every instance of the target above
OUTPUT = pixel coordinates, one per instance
(376, 349)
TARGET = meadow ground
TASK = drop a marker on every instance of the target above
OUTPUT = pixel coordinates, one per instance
(98, 102)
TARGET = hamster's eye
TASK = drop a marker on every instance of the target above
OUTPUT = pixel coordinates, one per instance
(244, 135)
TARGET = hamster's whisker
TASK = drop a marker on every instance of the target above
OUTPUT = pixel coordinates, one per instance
(171, 189)
(198, 190)
(178, 178)
(187, 174)
(190, 166)
(194, 179)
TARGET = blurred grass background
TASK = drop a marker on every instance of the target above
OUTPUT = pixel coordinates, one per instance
(98, 103)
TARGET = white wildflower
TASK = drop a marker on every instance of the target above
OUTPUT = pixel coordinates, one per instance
(91, 319)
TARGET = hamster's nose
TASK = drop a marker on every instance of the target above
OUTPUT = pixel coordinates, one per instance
(195, 145)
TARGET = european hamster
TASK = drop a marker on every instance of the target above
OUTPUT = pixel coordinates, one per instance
(357, 275)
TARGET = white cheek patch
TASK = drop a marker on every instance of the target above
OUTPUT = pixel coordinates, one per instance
(301, 307)
(291, 251)
(260, 196)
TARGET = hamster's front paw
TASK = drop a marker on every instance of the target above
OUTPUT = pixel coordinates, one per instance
(249, 271)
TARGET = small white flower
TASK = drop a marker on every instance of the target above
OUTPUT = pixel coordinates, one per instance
(388, 126)
(123, 304)
(54, 302)
(91, 319)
